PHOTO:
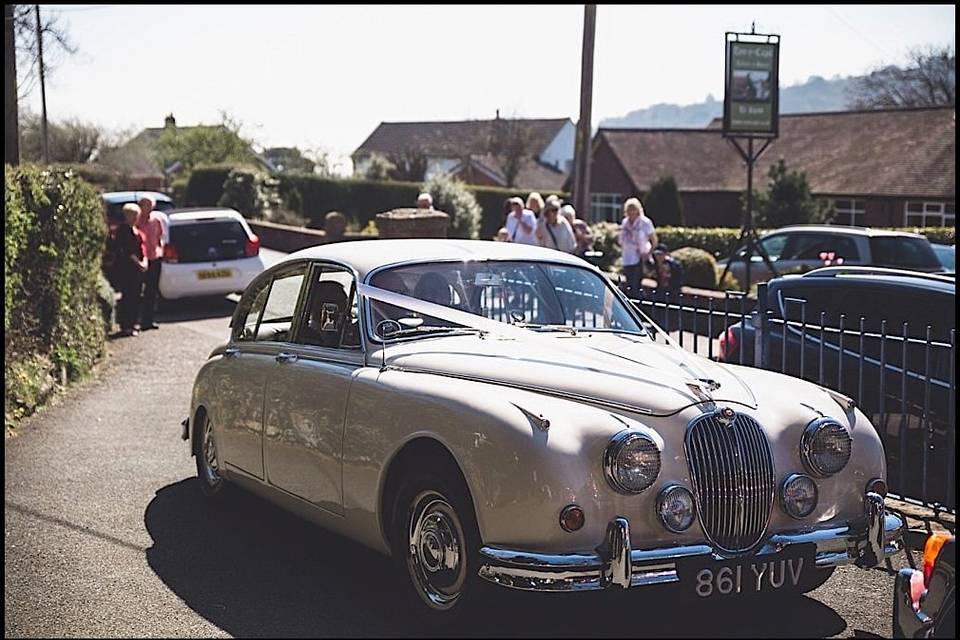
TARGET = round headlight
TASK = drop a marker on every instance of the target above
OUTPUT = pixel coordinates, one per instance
(631, 462)
(799, 495)
(825, 447)
(675, 508)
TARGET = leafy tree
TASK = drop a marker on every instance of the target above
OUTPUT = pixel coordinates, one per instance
(788, 201)
(289, 159)
(663, 203)
(379, 168)
(930, 79)
(452, 197)
(215, 144)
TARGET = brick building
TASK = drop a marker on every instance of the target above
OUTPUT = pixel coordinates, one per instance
(892, 167)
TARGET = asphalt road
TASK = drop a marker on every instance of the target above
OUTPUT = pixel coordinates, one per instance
(105, 534)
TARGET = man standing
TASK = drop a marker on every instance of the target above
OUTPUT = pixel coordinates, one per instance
(521, 223)
(152, 224)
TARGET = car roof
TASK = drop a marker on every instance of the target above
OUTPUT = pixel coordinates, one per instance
(844, 230)
(366, 255)
(192, 214)
(116, 197)
(844, 276)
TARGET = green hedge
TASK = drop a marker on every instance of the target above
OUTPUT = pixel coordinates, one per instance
(205, 185)
(53, 319)
(699, 267)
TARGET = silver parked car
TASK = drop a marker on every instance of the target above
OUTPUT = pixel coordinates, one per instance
(498, 414)
(796, 249)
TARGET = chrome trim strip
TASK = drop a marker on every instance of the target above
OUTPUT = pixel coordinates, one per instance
(531, 571)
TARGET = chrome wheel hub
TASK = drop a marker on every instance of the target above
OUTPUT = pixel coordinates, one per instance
(211, 467)
(436, 556)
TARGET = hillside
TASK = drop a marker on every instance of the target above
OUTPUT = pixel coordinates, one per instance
(816, 94)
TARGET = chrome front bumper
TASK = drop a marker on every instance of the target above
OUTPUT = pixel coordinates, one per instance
(616, 562)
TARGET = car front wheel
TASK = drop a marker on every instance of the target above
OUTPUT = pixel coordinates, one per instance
(437, 545)
(208, 462)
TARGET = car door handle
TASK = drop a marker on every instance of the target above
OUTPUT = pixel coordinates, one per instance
(286, 357)
(230, 352)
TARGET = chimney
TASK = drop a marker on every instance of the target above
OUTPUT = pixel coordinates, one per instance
(169, 121)
(498, 114)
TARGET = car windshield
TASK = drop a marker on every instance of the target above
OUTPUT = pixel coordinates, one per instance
(539, 296)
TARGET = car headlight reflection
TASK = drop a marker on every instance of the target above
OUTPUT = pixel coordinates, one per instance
(631, 462)
(798, 495)
(825, 447)
(675, 508)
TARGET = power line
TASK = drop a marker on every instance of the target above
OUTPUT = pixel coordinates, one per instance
(854, 29)
(73, 9)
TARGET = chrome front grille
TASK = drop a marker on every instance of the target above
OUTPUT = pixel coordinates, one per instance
(733, 479)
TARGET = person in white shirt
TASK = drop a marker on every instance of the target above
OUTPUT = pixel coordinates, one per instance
(521, 224)
(637, 237)
(553, 231)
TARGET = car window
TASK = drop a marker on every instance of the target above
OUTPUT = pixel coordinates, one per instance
(814, 244)
(208, 241)
(773, 245)
(249, 312)
(903, 251)
(330, 317)
(276, 322)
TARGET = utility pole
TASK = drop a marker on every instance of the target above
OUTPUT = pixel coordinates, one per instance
(11, 119)
(44, 149)
(581, 179)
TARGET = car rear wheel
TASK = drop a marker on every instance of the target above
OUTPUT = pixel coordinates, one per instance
(208, 462)
(436, 544)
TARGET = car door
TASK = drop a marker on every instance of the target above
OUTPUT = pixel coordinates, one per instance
(773, 245)
(266, 311)
(306, 395)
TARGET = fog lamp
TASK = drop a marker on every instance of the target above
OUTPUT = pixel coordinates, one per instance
(675, 508)
(878, 486)
(798, 495)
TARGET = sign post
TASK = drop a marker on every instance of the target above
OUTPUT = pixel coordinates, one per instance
(751, 111)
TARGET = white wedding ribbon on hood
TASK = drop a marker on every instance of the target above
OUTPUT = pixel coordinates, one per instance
(699, 384)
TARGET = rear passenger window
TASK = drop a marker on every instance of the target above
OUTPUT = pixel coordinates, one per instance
(249, 314)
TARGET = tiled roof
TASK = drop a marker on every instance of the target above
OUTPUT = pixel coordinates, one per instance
(451, 138)
(532, 175)
(897, 152)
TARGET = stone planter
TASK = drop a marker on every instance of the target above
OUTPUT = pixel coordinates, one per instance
(412, 223)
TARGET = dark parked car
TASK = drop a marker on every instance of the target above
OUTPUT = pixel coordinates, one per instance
(924, 602)
(114, 201)
(802, 248)
(803, 338)
(947, 254)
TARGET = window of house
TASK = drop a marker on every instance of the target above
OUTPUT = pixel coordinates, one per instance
(930, 214)
(850, 212)
(605, 207)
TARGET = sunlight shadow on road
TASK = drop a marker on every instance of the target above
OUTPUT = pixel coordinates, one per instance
(255, 570)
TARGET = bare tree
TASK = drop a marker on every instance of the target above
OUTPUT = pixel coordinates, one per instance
(510, 144)
(56, 42)
(929, 79)
(69, 140)
(410, 165)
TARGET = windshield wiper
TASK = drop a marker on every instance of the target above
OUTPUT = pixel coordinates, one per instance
(431, 329)
(547, 327)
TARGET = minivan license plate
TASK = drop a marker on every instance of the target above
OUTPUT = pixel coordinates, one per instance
(208, 274)
(749, 575)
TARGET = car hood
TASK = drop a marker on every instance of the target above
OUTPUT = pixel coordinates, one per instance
(615, 369)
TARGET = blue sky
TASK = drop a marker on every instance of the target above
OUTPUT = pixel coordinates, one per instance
(325, 76)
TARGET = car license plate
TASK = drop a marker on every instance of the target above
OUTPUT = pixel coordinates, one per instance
(209, 274)
(748, 575)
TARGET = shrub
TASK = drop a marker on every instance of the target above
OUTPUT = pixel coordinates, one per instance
(606, 239)
(55, 234)
(178, 191)
(788, 200)
(244, 191)
(452, 197)
(699, 267)
(205, 186)
(719, 241)
(663, 204)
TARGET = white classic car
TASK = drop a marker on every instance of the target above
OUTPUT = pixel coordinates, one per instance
(498, 413)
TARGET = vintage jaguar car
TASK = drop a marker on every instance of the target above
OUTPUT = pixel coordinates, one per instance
(497, 413)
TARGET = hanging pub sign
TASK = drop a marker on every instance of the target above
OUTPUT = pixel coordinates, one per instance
(752, 94)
